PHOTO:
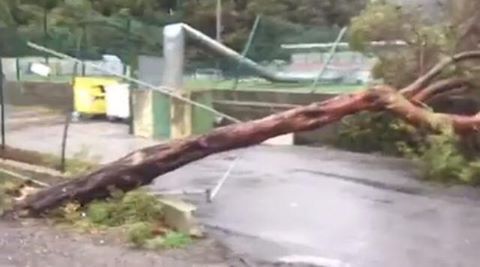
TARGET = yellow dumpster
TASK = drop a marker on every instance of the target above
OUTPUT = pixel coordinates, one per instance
(89, 95)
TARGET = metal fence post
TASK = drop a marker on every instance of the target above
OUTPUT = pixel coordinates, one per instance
(17, 68)
(2, 103)
(250, 39)
(130, 60)
(45, 34)
(331, 54)
(85, 45)
(68, 120)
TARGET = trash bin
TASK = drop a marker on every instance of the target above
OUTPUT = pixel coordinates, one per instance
(117, 99)
(89, 95)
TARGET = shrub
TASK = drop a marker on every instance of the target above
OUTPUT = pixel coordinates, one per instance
(441, 159)
(367, 133)
(444, 157)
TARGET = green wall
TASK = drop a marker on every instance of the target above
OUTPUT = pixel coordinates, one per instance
(202, 120)
(161, 115)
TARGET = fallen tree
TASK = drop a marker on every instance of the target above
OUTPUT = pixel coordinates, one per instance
(143, 166)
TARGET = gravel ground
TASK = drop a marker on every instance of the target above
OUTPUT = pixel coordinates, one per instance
(33, 243)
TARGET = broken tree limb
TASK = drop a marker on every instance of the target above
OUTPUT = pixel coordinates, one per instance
(142, 167)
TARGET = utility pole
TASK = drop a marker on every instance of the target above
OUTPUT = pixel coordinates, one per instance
(219, 21)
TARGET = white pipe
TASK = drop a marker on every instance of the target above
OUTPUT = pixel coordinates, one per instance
(222, 50)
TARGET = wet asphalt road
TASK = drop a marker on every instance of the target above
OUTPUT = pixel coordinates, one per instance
(358, 210)
(350, 209)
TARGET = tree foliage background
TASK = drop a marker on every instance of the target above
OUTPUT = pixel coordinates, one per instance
(112, 25)
(429, 37)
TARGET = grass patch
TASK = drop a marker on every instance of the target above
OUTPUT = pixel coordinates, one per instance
(130, 208)
(171, 240)
(137, 214)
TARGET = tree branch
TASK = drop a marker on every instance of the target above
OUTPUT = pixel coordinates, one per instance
(453, 92)
(143, 166)
(440, 87)
(423, 81)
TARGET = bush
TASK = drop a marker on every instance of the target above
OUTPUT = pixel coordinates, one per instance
(367, 133)
(442, 157)
(447, 158)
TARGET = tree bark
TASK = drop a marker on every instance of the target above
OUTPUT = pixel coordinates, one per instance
(142, 167)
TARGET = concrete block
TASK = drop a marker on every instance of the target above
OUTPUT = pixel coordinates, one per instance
(179, 216)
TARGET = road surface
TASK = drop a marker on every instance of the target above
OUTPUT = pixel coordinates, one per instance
(334, 209)
(319, 205)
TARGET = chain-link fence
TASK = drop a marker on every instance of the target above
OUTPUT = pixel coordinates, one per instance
(275, 44)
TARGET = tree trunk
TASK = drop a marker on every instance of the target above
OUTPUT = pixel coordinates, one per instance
(143, 166)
